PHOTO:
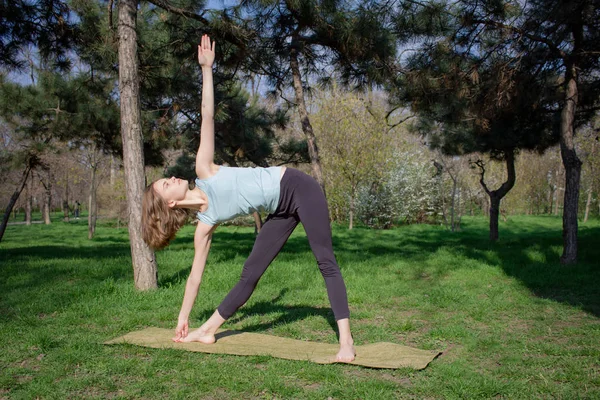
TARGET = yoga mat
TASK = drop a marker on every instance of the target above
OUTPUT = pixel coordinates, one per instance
(375, 355)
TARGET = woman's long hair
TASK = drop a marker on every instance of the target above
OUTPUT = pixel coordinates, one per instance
(160, 222)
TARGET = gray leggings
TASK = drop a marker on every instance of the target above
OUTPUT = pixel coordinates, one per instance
(300, 200)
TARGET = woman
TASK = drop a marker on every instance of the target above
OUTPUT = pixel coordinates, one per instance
(223, 193)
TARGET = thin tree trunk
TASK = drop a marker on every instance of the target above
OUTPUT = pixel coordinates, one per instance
(257, 222)
(28, 199)
(452, 203)
(549, 200)
(460, 210)
(143, 260)
(14, 198)
(313, 150)
(352, 208)
(113, 170)
(92, 204)
(588, 203)
(557, 189)
(47, 198)
(66, 199)
(572, 165)
(443, 197)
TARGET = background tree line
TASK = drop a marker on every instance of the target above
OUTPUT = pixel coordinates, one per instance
(404, 111)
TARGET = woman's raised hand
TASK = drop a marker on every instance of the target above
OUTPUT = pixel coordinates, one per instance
(206, 52)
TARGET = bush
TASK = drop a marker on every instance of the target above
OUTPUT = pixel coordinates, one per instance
(405, 194)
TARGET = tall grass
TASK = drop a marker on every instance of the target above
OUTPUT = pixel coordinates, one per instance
(511, 321)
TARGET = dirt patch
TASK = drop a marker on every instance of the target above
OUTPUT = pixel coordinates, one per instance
(313, 386)
(21, 379)
(365, 374)
(4, 394)
(31, 363)
(44, 316)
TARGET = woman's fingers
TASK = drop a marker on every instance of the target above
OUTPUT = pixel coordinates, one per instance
(206, 44)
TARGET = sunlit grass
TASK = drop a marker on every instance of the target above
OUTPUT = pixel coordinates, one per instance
(512, 321)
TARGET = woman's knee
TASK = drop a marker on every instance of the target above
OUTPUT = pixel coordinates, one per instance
(329, 269)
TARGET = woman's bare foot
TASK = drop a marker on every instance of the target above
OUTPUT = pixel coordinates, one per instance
(346, 353)
(199, 335)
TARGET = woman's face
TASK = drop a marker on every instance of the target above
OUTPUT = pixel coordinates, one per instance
(171, 189)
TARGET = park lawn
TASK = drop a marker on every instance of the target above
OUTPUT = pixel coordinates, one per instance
(510, 320)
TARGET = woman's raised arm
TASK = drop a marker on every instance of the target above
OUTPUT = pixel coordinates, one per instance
(205, 166)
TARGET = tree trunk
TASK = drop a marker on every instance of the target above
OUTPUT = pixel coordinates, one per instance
(572, 165)
(47, 198)
(14, 198)
(459, 212)
(494, 215)
(557, 188)
(257, 222)
(143, 260)
(588, 203)
(92, 204)
(113, 170)
(452, 203)
(46, 209)
(313, 150)
(66, 199)
(497, 195)
(28, 200)
(47, 195)
(352, 208)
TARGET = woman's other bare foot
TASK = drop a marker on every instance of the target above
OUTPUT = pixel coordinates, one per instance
(346, 353)
(199, 335)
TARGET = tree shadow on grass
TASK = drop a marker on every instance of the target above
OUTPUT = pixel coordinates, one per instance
(34, 273)
(174, 279)
(67, 252)
(531, 255)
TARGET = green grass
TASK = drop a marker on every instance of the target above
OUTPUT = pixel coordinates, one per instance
(511, 321)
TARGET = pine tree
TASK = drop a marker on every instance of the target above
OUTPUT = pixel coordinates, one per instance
(543, 53)
(45, 24)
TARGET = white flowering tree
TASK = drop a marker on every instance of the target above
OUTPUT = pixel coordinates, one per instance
(407, 192)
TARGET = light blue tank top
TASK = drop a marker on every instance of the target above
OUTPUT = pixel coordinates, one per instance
(239, 191)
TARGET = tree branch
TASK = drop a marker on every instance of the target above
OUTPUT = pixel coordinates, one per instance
(481, 165)
(165, 5)
(110, 13)
(521, 32)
